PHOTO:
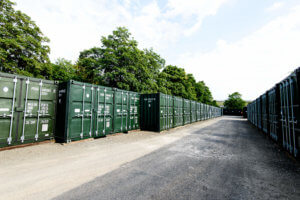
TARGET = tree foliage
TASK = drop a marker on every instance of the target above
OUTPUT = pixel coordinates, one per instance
(63, 70)
(23, 47)
(120, 63)
(235, 101)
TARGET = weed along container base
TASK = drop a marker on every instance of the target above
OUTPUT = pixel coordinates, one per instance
(75, 111)
(103, 111)
(178, 111)
(134, 111)
(156, 112)
(27, 109)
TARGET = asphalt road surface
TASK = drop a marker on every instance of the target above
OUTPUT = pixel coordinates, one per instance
(228, 159)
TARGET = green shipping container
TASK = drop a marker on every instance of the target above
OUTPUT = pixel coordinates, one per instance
(156, 112)
(103, 111)
(27, 109)
(198, 111)
(193, 111)
(186, 111)
(134, 111)
(178, 111)
(121, 114)
(75, 111)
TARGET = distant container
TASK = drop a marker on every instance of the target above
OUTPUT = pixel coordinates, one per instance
(273, 113)
(134, 111)
(178, 111)
(27, 109)
(121, 111)
(186, 111)
(289, 90)
(156, 112)
(264, 113)
(245, 112)
(193, 111)
(198, 112)
(103, 111)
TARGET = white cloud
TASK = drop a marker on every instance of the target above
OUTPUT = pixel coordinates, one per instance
(197, 9)
(253, 64)
(74, 25)
(275, 6)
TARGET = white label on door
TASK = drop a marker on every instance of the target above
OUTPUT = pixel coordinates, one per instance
(77, 110)
(87, 95)
(4, 109)
(5, 89)
(107, 124)
(44, 127)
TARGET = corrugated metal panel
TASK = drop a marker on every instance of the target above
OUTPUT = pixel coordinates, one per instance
(157, 112)
(198, 111)
(27, 109)
(264, 113)
(77, 116)
(178, 111)
(274, 112)
(193, 111)
(186, 111)
(290, 113)
(121, 115)
(150, 112)
(103, 111)
(134, 111)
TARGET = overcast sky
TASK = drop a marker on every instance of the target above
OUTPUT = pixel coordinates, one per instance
(233, 45)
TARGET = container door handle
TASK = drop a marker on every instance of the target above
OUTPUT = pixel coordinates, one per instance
(9, 139)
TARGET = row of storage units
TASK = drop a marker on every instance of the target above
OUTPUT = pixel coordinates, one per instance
(277, 113)
(161, 112)
(86, 110)
(35, 110)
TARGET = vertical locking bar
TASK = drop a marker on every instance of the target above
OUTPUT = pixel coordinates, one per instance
(97, 113)
(288, 115)
(25, 111)
(134, 119)
(122, 111)
(282, 114)
(9, 139)
(38, 113)
(91, 111)
(82, 115)
(127, 111)
(292, 113)
(104, 112)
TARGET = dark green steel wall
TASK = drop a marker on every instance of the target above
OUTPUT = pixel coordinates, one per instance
(27, 109)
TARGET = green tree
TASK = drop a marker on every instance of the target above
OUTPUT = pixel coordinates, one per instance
(203, 94)
(63, 70)
(120, 63)
(234, 101)
(23, 47)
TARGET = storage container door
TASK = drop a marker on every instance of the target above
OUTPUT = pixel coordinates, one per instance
(163, 112)
(121, 112)
(103, 111)
(134, 110)
(38, 118)
(81, 107)
(9, 94)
